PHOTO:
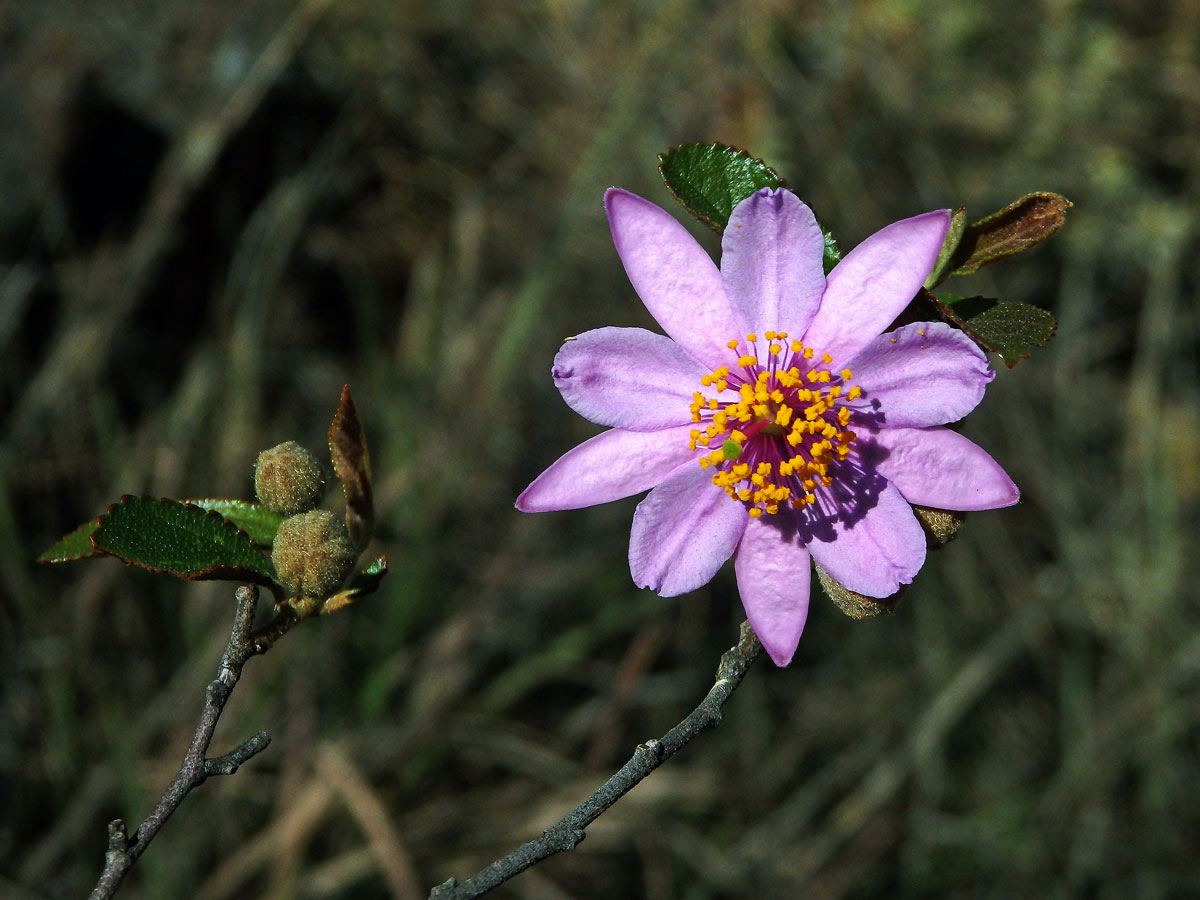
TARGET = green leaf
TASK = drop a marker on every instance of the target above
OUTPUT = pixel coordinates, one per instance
(711, 179)
(832, 251)
(348, 449)
(76, 545)
(1010, 329)
(1012, 230)
(252, 518)
(945, 261)
(361, 583)
(180, 539)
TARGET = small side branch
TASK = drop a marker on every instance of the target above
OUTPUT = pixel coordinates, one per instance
(123, 849)
(570, 830)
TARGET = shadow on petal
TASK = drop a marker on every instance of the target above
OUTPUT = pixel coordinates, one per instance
(855, 492)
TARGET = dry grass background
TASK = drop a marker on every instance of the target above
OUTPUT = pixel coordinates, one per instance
(215, 214)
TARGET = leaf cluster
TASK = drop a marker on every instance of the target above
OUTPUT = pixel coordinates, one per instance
(229, 539)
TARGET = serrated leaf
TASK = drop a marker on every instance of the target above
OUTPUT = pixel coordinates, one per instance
(1020, 225)
(711, 179)
(361, 583)
(76, 545)
(252, 518)
(352, 463)
(180, 539)
(945, 261)
(1008, 328)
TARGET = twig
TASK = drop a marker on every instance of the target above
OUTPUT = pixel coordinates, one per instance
(244, 642)
(570, 830)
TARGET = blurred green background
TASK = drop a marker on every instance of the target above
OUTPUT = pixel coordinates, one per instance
(214, 215)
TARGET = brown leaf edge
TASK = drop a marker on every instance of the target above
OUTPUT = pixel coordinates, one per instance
(1023, 224)
(352, 463)
(212, 573)
(947, 312)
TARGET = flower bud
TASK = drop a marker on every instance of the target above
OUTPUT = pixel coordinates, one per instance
(940, 525)
(288, 479)
(856, 606)
(312, 553)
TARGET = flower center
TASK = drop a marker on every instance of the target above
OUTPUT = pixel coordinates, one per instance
(783, 425)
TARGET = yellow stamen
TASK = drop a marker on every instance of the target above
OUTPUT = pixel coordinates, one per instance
(789, 422)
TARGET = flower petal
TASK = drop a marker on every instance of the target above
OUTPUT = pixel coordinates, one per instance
(771, 262)
(773, 573)
(628, 378)
(879, 552)
(679, 283)
(926, 373)
(940, 468)
(873, 283)
(612, 465)
(682, 533)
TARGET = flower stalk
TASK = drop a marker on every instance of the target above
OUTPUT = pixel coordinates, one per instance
(571, 829)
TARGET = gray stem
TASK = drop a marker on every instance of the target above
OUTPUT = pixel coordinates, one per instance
(123, 850)
(570, 830)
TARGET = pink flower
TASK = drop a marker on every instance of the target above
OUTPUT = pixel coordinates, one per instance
(776, 420)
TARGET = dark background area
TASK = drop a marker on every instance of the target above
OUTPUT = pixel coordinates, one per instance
(214, 215)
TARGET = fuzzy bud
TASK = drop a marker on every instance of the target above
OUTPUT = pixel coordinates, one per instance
(312, 553)
(288, 479)
(856, 606)
(941, 525)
